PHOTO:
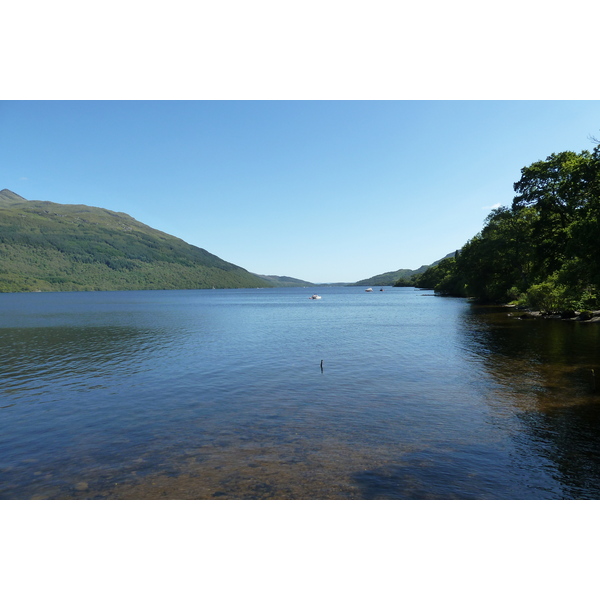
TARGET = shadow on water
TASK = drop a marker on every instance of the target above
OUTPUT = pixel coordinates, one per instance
(542, 373)
(473, 472)
(435, 478)
(570, 438)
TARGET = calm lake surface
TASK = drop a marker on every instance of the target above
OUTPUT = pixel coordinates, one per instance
(220, 394)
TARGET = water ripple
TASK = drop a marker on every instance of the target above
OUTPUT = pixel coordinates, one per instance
(220, 394)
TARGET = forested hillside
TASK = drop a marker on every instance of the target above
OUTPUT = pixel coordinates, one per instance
(284, 281)
(542, 252)
(391, 277)
(47, 246)
(399, 278)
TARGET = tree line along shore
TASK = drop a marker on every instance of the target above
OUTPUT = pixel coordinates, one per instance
(542, 253)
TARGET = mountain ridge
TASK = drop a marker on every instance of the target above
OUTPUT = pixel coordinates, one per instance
(47, 246)
(391, 277)
(285, 281)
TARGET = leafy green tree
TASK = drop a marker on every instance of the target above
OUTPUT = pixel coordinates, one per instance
(544, 250)
(583, 234)
(498, 260)
(558, 189)
(443, 278)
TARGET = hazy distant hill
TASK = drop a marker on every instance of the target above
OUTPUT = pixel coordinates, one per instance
(391, 277)
(283, 281)
(49, 247)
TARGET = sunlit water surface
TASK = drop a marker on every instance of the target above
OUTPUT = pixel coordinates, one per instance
(221, 394)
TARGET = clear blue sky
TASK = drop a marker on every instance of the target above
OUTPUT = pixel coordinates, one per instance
(320, 190)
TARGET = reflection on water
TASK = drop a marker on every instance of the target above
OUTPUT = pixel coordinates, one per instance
(47, 362)
(542, 373)
(220, 394)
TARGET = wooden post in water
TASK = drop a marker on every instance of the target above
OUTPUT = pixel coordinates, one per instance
(321, 366)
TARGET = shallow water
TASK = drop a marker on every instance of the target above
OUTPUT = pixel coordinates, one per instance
(221, 394)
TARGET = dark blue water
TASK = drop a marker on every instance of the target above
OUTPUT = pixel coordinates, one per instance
(221, 394)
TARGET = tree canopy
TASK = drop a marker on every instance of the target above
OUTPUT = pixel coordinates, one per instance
(543, 251)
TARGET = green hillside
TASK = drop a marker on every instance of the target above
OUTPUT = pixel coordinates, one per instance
(47, 246)
(284, 281)
(392, 277)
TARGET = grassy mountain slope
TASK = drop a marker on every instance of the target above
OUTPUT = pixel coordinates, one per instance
(63, 247)
(391, 277)
(284, 281)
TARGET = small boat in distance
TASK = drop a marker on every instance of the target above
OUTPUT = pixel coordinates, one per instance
(314, 297)
(369, 290)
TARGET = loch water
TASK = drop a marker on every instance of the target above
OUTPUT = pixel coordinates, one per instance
(266, 394)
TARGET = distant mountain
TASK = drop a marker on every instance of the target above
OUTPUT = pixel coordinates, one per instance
(391, 277)
(284, 281)
(45, 246)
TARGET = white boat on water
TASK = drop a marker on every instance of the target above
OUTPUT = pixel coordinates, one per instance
(314, 297)
(369, 290)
